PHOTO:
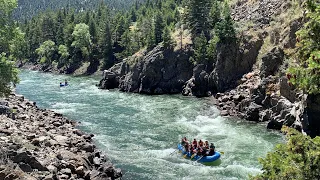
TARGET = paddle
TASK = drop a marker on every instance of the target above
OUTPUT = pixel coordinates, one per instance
(193, 155)
(173, 152)
(221, 152)
(199, 158)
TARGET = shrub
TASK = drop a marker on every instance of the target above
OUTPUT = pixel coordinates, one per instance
(298, 159)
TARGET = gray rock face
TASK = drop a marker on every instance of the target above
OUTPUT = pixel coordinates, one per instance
(286, 90)
(110, 78)
(232, 63)
(271, 62)
(198, 85)
(312, 115)
(289, 40)
(161, 71)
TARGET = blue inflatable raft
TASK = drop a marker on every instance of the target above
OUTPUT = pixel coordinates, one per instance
(213, 160)
(63, 85)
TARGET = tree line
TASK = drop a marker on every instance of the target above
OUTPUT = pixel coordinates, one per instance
(66, 38)
(28, 8)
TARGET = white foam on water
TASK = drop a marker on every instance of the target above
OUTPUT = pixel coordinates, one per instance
(68, 105)
(139, 133)
(65, 111)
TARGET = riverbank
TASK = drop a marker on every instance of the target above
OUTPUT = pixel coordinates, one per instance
(42, 144)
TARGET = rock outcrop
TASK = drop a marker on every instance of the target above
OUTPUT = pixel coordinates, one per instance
(111, 77)
(271, 62)
(160, 71)
(42, 144)
(272, 101)
(198, 85)
(233, 62)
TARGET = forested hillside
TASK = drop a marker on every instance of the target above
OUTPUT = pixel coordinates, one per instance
(66, 39)
(29, 8)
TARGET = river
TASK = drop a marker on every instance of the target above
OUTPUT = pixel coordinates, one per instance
(139, 132)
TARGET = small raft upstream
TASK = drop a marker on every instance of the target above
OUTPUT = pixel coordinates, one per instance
(213, 160)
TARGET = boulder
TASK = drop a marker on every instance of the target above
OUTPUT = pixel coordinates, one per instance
(110, 80)
(265, 115)
(66, 171)
(62, 140)
(287, 90)
(27, 158)
(198, 84)
(4, 110)
(160, 71)
(96, 161)
(52, 169)
(271, 62)
(290, 37)
(80, 171)
(253, 111)
(275, 124)
(25, 167)
(78, 132)
(88, 147)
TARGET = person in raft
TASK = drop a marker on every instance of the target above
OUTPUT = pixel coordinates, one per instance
(184, 141)
(65, 82)
(199, 148)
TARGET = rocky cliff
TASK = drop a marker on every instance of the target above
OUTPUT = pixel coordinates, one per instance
(160, 71)
(42, 144)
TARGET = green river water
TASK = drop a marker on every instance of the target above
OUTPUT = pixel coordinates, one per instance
(139, 133)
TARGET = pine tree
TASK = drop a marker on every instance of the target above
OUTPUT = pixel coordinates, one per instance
(215, 13)
(211, 49)
(197, 16)
(60, 23)
(87, 18)
(133, 15)
(120, 29)
(150, 41)
(167, 39)
(126, 43)
(48, 28)
(93, 31)
(200, 49)
(105, 45)
(225, 28)
(158, 28)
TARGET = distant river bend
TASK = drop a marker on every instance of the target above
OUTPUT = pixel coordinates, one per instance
(138, 132)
